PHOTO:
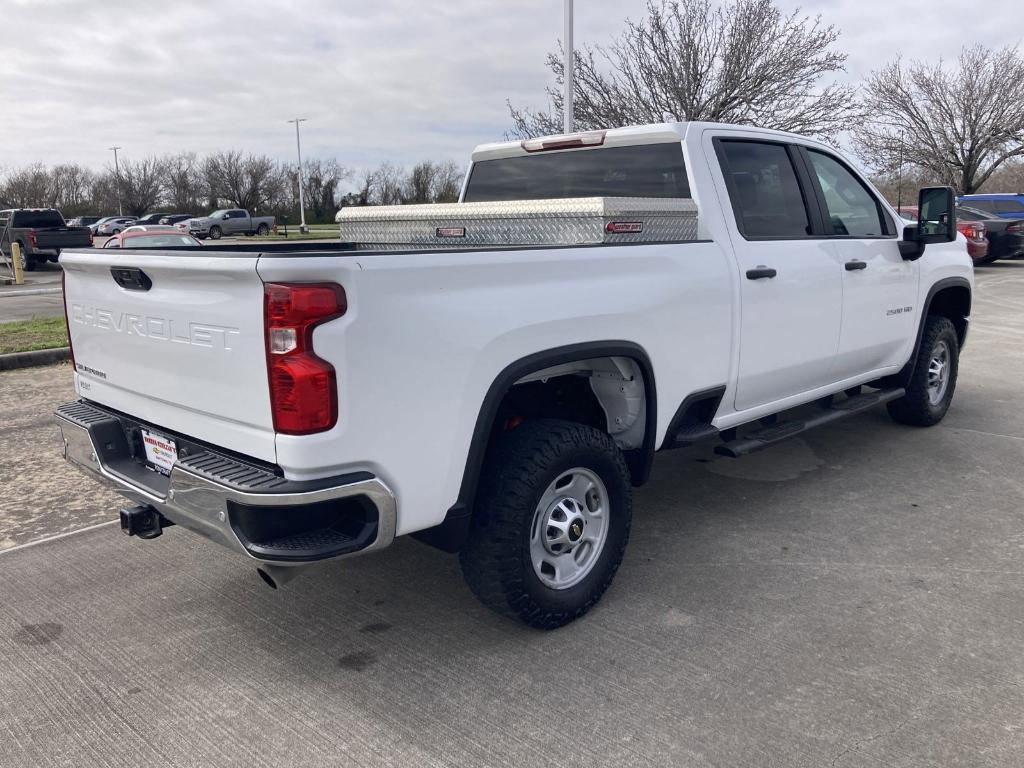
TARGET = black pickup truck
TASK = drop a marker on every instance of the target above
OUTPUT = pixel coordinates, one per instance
(41, 233)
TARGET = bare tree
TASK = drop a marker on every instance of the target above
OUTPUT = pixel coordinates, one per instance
(386, 185)
(182, 183)
(960, 124)
(418, 184)
(71, 187)
(743, 62)
(320, 186)
(140, 184)
(430, 182)
(243, 181)
(447, 183)
(28, 187)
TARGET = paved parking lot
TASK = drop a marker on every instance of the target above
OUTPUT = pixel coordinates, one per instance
(852, 598)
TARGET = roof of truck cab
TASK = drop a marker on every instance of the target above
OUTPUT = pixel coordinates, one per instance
(656, 133)
(631, 135)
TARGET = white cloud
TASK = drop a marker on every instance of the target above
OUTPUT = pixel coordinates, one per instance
(389, 80)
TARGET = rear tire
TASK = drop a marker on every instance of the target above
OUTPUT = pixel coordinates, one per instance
(551, 523)
(215, 233)
(28, 263)
(262, 230)
(934, 380)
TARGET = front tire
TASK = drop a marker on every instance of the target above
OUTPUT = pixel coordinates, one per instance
(551, 524)
(935, 372)
(215, 233)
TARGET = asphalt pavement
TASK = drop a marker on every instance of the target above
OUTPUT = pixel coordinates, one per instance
(854, 597)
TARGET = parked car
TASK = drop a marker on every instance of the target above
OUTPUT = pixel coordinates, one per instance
(1003, 205)
(230, 221)
(150, 228)
(114, 225)
(174, 218)
(82, 221)
(495, 375)
(41, 234)
(148, 238)
(977, 240)
(1005, 236)
(150, 218)
(96, 224)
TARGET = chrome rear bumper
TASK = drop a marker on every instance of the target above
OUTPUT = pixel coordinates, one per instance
(212, 494)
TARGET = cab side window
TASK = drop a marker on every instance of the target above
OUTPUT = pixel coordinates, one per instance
(766, 195)
(852, 211)
(1009, 206)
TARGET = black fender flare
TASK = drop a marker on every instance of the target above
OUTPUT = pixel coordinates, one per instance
(902, 379)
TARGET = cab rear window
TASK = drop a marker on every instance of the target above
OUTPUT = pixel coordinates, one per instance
(37, 219)
(645, 170)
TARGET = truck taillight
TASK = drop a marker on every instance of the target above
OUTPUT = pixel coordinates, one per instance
(67, 320)
(33, 239)
(303, 387)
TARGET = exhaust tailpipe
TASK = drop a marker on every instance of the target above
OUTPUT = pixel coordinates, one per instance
(275, 576)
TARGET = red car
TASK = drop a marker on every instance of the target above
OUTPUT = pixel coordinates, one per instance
(141, 238)
(977, 238)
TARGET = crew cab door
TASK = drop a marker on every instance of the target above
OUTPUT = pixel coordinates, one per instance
(879, 288)
(237, 221)
(790, 280)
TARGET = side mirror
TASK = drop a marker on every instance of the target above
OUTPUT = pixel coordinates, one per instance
(936, 222)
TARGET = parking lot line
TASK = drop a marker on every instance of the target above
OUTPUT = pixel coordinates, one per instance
(55, 537)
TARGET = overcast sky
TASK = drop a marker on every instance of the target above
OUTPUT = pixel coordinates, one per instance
(398, 80)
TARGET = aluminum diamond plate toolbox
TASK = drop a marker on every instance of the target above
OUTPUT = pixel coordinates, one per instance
(572, 221)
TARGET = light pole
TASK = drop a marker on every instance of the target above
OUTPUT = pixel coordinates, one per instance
(567, 79)
(899, 178)
(117, 180)
(298, 150)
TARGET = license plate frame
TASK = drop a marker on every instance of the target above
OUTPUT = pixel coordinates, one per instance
(161, 451)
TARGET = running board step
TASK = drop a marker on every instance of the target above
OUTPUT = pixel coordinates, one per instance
(762, 438)
(694, 434)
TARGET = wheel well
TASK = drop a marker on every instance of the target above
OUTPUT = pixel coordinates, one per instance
(605, 393)
(954, 303)
(606, 385)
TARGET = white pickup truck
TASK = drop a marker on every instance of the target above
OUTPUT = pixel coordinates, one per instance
(495, 375)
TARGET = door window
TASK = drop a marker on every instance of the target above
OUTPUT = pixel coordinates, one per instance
(852, 210)
(1009, 206)
(766, 196)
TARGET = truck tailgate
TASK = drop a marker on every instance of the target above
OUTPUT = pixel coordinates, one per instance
(173, 339)
(64, 237)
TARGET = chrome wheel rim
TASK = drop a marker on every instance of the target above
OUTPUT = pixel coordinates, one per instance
(570, 527)
(938, 372)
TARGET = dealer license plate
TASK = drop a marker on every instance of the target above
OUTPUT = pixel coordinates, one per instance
(161, 452)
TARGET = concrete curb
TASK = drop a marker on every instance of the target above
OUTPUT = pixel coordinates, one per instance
(29, 292)
(39, 357)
